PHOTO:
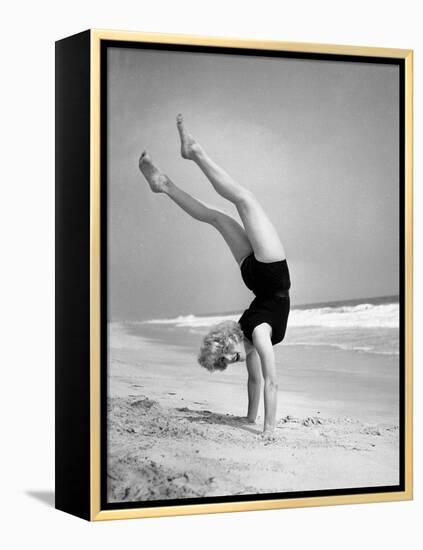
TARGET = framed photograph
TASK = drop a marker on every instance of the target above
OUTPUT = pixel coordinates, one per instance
(233, 275)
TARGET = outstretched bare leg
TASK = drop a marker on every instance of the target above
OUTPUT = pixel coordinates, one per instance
(233, 233)
(260, 230)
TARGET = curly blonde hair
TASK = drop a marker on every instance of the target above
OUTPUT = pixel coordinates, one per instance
(217, 343)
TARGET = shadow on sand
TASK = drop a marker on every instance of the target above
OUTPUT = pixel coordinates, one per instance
(208, 417)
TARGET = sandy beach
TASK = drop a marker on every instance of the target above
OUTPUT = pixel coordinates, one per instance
(177, 431)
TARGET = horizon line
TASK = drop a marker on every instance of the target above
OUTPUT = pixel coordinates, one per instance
(293, 306)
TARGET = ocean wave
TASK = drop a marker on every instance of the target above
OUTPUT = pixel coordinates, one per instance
(193, 320)
(389, 349)
(358, 316)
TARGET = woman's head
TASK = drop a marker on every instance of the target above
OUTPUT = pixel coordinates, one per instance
(220, 346)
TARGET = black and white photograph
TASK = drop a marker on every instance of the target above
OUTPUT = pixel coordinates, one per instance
(254, 251)
(210, 269)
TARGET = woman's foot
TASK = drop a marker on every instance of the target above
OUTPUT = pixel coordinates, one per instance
(189, 147)
(157, 181)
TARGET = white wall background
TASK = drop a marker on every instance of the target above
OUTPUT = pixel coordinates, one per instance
(29, 30)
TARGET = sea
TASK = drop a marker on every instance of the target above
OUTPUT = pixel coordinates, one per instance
(364, 326)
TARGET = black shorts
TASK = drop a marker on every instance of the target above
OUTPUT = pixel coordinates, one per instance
(265, 278)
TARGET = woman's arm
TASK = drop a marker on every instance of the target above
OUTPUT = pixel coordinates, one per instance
(254, 384)
(263, 344)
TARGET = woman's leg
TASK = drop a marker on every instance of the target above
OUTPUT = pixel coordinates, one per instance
(228, 227)
(260, 230)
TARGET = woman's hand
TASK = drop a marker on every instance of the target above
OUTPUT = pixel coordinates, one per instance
(268, 436)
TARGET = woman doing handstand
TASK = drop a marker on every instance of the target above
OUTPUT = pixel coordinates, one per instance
(259, 252)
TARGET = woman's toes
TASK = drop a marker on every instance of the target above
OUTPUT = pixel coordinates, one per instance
(144, 158)
(157, 181)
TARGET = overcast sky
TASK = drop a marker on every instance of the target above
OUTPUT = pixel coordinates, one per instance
(316, 141)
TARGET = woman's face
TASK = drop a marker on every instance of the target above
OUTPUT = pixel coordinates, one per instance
(235, 353)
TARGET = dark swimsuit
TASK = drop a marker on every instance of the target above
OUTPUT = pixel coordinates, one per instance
(270, 283)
